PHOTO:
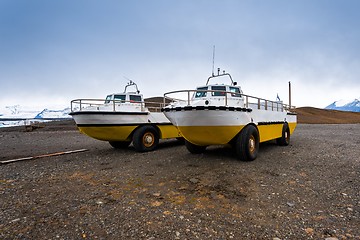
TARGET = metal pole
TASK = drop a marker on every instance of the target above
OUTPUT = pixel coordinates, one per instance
(213, 61)
(289, 94)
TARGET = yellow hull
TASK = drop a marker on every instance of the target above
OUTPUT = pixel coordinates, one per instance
(292, 126)
(168, 131)
(273, 131)
(124, 133)
(108, 133)
(209, 135)
(219, 135)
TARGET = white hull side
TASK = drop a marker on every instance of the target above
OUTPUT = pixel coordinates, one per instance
(115, 118)
(225, 118)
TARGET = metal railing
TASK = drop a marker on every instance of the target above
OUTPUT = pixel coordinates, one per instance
(83, 104)
(259, 103)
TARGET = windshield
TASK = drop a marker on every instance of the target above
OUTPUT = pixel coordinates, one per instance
(218, 88)
(135, 98)
(120, 97)
(235, 92)
(200, 92)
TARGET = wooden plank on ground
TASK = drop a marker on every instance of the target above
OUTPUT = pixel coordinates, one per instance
(42, 156)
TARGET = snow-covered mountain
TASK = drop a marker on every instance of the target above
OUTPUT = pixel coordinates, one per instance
(17, 115)
(345, 105)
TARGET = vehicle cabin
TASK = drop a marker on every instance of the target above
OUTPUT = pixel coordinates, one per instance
(124, 98)
(217, 91)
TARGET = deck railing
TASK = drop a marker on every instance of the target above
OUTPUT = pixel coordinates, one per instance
(83, 104)
(249, 101)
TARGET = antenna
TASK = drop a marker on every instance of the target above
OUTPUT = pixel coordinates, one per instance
(213, 60)
(130, 81)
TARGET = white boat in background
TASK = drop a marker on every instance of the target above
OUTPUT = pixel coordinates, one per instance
(219, 114)
(123, 118)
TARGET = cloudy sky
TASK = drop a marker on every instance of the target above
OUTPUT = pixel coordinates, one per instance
(54, 51)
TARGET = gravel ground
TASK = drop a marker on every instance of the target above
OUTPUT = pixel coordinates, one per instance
(308, 190)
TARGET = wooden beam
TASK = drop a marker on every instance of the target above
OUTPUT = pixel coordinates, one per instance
(42, 156)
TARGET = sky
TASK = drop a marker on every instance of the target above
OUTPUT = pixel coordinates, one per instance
(52, 52)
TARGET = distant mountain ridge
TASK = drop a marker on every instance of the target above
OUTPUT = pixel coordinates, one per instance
(343, 105)
(17, 115)
(18, 111)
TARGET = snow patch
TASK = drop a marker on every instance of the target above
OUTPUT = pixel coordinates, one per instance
(342, 102)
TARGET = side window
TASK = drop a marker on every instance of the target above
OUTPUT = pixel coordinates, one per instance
(108, 98)
(220, 90)
(135, 98)
(235, 92)
(201, 92)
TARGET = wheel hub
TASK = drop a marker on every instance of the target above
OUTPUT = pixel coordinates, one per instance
(252, 144)
(148, 139)
(287, 137)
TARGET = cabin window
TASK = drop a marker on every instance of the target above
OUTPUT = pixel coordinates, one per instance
(120, 98)
(200, 92)
(108, 98)
(135, 98)
(235, 92)
(221, 90)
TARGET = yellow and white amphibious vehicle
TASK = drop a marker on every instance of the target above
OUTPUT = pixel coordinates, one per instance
(220, 114)
(123, 118)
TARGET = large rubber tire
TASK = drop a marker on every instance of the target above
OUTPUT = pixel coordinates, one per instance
(120, 144)
(145, 138)
(284, 140)
(195, 149)
(247, 143)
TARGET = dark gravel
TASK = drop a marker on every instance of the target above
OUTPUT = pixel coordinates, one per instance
(308, 190)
